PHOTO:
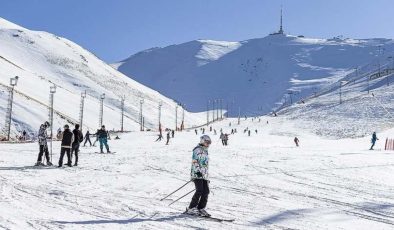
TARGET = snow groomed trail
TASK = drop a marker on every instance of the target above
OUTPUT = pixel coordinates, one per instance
(262, 181)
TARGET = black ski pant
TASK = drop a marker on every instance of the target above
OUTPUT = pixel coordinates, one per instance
(62, 152)
(200, 197)
(75, 150)
(373, 144)
(43, 148)
(86, 140)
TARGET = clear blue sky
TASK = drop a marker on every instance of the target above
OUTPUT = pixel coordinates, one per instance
(115, 29)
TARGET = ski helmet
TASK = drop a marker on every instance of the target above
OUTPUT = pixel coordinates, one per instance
(205, 139)
(47, 124)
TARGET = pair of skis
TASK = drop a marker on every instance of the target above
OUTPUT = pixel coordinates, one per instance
(209, 217)
(191, 214)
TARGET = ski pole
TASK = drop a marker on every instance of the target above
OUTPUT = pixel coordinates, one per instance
(182, 197)
(176, 190)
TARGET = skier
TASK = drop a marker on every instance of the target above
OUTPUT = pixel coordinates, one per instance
(196, 131)
(160, 137)
(199, 175)
(102, 136)
(373, 140)
(67, 138)
(249, 133)
(24, 135)
(214, 132)
(173, 133)
(222, 138)
(168, 138)
(296, 141)
(87, 138)
(78, 138)
(225, 139)
(42, 141)
(59, 131)
(255, 131)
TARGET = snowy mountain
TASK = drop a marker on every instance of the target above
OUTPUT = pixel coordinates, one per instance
(255, 75)
(41, 59)
(360, 103)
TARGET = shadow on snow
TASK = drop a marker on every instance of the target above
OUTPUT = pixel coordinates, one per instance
(125, 221)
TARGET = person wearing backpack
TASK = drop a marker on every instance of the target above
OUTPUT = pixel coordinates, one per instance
(78, 138)
(103, 137)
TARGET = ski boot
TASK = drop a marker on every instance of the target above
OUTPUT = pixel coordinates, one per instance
(39, 163)
(49, 163)
(192, 211)
(204, 213)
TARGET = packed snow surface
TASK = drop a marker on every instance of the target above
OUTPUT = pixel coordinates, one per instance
(262, 181)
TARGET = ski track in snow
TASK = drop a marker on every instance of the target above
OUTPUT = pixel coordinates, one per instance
(262, 181)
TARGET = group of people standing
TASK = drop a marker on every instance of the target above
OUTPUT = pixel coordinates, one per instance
(170, 134)
(224, 138)
(70, 143)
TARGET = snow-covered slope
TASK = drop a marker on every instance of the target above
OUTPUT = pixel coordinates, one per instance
(357, 105)
(255, 75)
(41, 59)
(262, 181)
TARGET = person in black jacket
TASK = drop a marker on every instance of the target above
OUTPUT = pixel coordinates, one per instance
(78, 138)
(67, 138)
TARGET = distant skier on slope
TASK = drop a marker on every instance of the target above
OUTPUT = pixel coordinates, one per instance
(42, 141)
(225, 139)
(87, 138)
(102, 136)
(67, 138)
(199, 175)
(78, 138)
(168, 138)
(222, 138)
(160, 137)
(373, 140)
(296, 141)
